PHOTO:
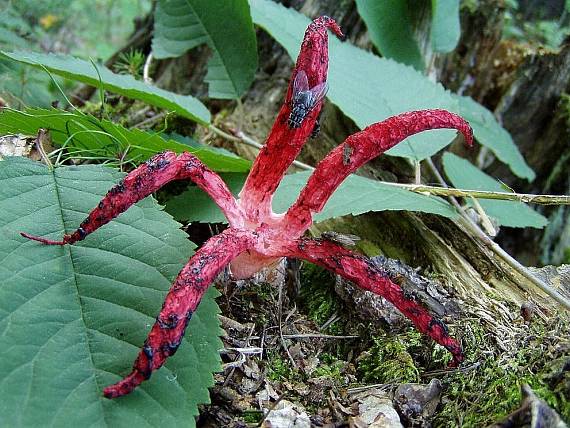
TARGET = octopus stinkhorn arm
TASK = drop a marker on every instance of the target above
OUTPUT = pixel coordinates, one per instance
(257, 237)
(180, 303)
(367, 275)
(146, 179)
(284, 143)
(358, 149)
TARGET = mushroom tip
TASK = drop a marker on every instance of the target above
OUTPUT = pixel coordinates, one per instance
(331, 24)
(42, 240)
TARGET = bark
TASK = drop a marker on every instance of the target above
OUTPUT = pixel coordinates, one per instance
(533, 112)
(523, 84)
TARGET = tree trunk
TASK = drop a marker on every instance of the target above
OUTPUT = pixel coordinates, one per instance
(524, 85)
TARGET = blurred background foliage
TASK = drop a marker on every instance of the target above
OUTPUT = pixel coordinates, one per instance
(83, 28)
(537, 21)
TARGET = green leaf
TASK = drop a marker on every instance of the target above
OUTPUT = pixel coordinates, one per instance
(108, 140)
(83, 71)
(487, 129)
(508, 213)
(196, 205)
(445, 25)
(225, 26)
(23, 85)
(356, 195)
(72, 318)
(369, 89)
(390, 29)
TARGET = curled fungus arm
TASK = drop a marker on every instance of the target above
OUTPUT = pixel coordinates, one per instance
(360, 148)
(368, 275)
(180, 303)
(284, 143)
(146, 179)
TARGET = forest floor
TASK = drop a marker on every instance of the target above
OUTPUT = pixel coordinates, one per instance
(300, 353)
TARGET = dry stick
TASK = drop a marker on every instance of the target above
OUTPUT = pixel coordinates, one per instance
(240, 137)
(270, 410)
(380, 386)
(310, 336)
(231, 373)
(475, 230)
(280, 314)
(43, 137)
(150, 120)
(485, 220)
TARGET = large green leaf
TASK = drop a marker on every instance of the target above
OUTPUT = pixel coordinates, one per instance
(106, 139)
(369, 89)
(226, 26)
(100, 76)
(355, 196)
(508, 213)
(445, 25)
(72, 318)
(390, 29)
(486, 128)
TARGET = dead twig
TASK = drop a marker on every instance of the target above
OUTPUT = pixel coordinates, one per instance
(43, 138)
(240, 137)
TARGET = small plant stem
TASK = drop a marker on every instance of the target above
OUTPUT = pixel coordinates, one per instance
(418, 172)
(484, 194)
(43, 137)
(146, 69)
(485, 221)
(240, 137)
(514, 264)
(101, 89)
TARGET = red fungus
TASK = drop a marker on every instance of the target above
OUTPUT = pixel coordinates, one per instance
(257, 237)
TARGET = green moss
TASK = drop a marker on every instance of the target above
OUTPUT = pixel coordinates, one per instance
(490, 390)
(279, 369)
(252, 416)
(262, 290)
(318, 297)
(330, 367)
(389, 360)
